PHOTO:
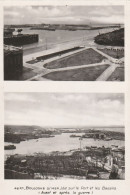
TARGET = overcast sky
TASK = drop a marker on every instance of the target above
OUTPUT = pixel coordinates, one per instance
(63, 14)
(62, 109)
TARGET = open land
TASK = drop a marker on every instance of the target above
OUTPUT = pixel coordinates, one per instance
(71, 66)
(83, 74)
(88, 56)
(85, 64)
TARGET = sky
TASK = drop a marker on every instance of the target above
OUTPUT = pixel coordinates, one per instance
(63, 14)
(64, 109)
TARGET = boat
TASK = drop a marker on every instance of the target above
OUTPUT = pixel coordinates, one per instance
(75, 135)
(108, 139)
(10, 147)
(47, 136)
(72, 29)
(52, 29)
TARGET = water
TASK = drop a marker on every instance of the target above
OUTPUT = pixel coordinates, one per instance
(60, 38)
(60, 143)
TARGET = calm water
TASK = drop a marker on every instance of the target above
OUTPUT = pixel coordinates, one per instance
(61, 142)
(60, 38)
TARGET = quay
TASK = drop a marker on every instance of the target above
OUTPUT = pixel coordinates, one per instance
(19, 39)
(50, 52)
(45, 64)
(23, 39)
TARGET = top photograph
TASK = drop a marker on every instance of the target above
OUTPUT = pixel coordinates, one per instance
(64, 43)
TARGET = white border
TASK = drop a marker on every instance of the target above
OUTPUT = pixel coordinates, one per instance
(99, 87)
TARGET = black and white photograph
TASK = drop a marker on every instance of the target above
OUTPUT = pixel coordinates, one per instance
(64, 43)
(55, 136)
(70, 136)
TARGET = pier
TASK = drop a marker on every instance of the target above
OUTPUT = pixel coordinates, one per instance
(22, 39)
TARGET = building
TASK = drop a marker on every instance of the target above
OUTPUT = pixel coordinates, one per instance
(99, 136)
(118, 153)
(13, 62)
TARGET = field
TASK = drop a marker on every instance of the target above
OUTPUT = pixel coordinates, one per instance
(113, 53)
(89, 56)
(82, 74)
(118, 74)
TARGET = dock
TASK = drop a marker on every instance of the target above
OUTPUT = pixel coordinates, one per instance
(22, 39)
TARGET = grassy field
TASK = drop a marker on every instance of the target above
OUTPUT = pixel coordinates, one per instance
(113, 53)
(118, 74)
(82, 74)
(89, 56)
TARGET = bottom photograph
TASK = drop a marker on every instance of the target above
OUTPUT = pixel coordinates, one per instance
(55, 136)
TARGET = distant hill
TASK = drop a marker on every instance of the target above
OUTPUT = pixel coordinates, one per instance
(27, 129)
(115, 38)
(22, 128)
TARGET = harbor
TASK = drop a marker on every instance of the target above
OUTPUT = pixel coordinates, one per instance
(89, 162)
(70, 50)
(61, 44)
(18, 39)
(69, 156)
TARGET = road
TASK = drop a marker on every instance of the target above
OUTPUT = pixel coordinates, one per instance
(107, 73)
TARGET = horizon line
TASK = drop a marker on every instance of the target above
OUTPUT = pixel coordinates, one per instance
(68, 126)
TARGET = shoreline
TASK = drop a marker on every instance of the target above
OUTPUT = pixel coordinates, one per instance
(114, 38)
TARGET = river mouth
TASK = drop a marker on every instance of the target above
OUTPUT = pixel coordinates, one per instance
(59, 143)
(60, 39)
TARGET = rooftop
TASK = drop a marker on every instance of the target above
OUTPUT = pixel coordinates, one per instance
(10, 48)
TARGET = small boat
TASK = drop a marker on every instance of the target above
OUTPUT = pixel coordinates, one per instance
(75, 135)
(108, 139)
(10, 147)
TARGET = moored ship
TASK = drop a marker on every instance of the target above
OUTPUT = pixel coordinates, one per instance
(19, 39)
(10, 147)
